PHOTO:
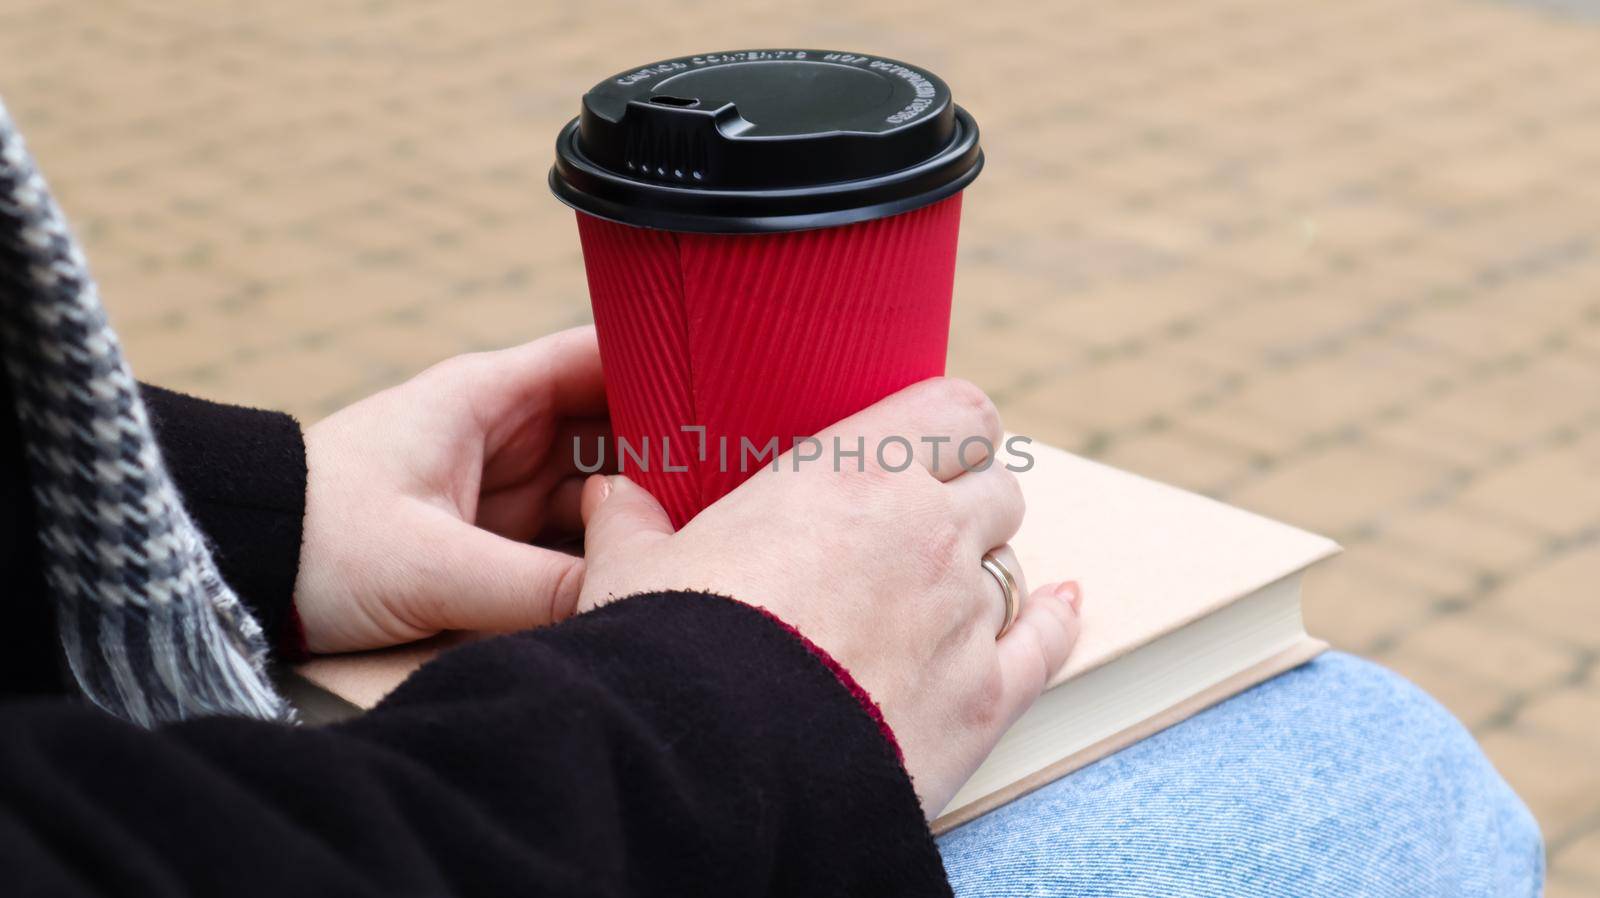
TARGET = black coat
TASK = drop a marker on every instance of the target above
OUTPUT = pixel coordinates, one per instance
(668, 744)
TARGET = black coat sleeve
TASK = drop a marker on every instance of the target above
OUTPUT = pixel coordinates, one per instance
(242, 474)
(670, 744)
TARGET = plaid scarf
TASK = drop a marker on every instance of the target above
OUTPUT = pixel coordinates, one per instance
(149, 630)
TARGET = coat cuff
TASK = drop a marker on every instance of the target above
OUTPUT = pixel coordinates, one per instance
(242, 474)
(750, 732)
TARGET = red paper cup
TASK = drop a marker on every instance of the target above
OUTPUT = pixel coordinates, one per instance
(770, 242)
(759, 337)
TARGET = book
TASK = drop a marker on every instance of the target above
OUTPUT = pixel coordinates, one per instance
(1187, 601)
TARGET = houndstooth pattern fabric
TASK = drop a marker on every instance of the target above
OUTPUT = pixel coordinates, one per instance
(149, 629)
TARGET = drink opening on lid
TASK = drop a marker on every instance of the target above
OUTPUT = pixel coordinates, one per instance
(764, 140)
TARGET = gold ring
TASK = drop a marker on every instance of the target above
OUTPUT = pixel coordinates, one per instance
(1008, 586)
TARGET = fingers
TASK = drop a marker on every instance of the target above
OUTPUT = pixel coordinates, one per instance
(572, 369)
(1037, 646)
(521, 476)
(583, 441)
(996, 605)
(990, 505)
(517, 513)
(558, 375)
(935, 421)
(484, 581)
(564, 511)
(544, 508)
(617, 515)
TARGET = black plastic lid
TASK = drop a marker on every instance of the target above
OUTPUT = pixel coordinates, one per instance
(764, 140)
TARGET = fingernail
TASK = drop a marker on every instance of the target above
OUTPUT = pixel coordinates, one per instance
(605, 488)
(1070, 593)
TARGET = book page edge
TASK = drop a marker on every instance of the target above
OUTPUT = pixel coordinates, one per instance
(1329, 550)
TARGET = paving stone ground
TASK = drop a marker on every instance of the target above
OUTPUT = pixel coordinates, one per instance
(1337, 262)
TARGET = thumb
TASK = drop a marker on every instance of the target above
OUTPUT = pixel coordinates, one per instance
(484, 581)
(616, 512)
(1036, 647)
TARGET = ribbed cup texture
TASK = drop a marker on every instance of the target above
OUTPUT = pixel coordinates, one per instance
(759, 336)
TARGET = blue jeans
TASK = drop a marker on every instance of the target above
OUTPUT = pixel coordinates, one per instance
(1336, 778)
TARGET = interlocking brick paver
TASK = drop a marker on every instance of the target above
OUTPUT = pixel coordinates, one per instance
(1567, 712)
(1358, 607)
(1108, 316)
(1115, 395)
(1338, 262)
(1556, 598)
(1405, 562)
(1557, 778)
(1560, 884)
(1192, 463)
(1467, 537)
(1341, 488)
(1531, 397)
(1581, 859)
(309, 381)
(1232, 422)
(1372, 379)
(1481, 644)
(1416, 431)
(1555, 490)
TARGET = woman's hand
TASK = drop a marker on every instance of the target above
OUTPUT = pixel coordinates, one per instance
(421, 499)
(880, 569)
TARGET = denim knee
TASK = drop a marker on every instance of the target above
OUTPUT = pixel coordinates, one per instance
(1386, 722)
(1338, 777)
